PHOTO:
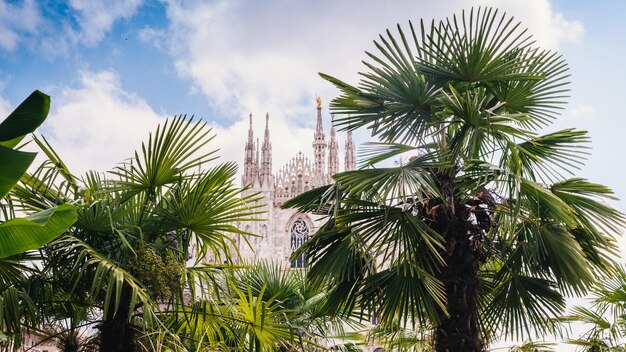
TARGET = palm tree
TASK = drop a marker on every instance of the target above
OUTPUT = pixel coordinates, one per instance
(264, 307)
(303, 304)
(137, 227)
(606, 318)
(483, 231)
(67, 331)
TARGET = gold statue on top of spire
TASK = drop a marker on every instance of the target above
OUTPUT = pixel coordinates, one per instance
(319, 102)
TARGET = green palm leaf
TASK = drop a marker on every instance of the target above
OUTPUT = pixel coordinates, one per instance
(522, 303)
(482, 208)
(207, 206)
(404, 292)
(105, 275)
(480, 47)
(545, 157)
(172, 150)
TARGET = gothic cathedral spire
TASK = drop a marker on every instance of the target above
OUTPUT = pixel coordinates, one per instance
(266, 156)
(319, 145)
(333, 151)
(350, 161)
(249, 162)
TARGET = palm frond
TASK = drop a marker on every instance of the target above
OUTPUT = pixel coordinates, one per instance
(544, 158)
(479, 47)
(587, 200)
(172, 150)
(394, 185)
(207, 206)
(522, 304)
(404, 292)
(105, 277)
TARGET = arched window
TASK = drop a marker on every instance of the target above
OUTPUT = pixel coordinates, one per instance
(299, 235)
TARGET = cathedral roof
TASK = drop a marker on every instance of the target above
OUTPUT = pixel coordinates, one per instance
(298, 175)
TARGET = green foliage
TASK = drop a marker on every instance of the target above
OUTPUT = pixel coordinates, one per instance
(605, 320)
(483, 228)
(159, 276)
(264, 307)
(23, 120)
(19, 235)
(124, 258)
(22, 234)
(136, 227)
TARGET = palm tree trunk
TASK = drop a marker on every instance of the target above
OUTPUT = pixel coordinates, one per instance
(459, 330)
(116, 331)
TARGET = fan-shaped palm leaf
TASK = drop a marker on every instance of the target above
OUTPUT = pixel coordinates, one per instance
(481, 213)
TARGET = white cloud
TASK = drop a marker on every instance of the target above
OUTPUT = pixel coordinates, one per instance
(17, 20)
(551, 29)
(264, 57)
(152, 36)
(96, 17)
(98, 124)
(57, 34)
(579, 111)
(5, 106)
(258, 57)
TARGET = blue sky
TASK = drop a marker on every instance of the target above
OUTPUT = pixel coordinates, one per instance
(116, 68)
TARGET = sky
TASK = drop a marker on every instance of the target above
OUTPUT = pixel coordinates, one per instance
(115, 69)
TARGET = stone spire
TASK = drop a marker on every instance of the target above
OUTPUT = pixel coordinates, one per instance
(266, 156)
(249, 162)
(255, 175)
(319, 145)
(256, 156)
(350, 162)
(333, 151)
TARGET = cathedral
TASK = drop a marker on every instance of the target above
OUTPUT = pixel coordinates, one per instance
(282, 231)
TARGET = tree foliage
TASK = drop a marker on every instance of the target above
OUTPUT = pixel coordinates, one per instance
(136, 228)
(483, 231)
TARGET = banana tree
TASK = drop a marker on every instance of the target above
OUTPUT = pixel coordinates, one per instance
(19, 235)
(22, 234)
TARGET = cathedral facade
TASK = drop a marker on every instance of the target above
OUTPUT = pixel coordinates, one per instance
(281, 231)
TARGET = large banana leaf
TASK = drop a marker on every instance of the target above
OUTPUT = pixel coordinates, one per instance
(25, 119)
(31, 232)
(14, 164)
